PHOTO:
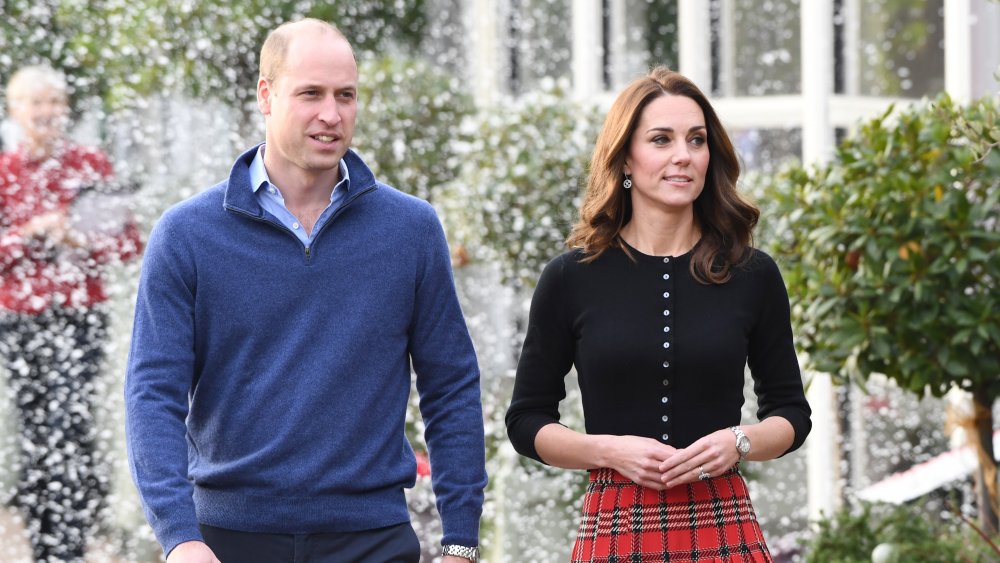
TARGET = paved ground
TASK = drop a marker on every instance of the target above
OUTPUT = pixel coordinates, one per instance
(14, 546)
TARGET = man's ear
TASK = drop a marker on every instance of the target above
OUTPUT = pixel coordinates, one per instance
(264, 96)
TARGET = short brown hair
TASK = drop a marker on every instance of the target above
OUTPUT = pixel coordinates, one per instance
(726, 220)
(275, 48)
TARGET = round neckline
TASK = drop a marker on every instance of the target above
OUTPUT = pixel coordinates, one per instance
(651, 257)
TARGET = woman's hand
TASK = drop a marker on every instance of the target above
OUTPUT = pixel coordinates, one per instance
(712, 455)
(639, 459)
(716, 453)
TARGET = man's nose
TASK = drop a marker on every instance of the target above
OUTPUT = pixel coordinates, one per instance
(330, 111)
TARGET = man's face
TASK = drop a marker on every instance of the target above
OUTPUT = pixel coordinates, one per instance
(311, 107)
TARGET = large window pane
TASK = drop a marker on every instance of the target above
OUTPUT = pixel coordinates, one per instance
(900, 48)
(641, 34)
(766, 150)
(758, 47)
(540, 42)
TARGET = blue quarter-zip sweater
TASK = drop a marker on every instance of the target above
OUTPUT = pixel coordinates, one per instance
(267, 383)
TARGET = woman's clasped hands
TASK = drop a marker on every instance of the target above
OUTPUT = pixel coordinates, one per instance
(653, 464)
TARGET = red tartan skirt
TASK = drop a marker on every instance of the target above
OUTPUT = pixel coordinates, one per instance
(710, 520)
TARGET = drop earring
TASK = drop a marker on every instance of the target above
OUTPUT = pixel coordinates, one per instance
(627, 184)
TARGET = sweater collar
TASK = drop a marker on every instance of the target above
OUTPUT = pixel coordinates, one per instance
(240, 196)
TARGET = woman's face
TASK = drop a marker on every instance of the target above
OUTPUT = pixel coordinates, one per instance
(42, 114)
(668, 155)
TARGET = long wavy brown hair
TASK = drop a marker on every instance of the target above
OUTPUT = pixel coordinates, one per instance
(726, 219)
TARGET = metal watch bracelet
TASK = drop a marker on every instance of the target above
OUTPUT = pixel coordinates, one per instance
(470, 553)
(742, 442)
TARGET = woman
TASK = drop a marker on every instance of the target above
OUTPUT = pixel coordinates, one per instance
(660, 304)
(52, 323)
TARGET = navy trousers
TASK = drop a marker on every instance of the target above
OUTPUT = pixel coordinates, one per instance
(394, 544)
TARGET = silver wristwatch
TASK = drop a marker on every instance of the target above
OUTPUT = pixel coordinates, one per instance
(742, 442)
(470, 553)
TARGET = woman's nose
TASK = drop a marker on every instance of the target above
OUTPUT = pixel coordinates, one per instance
(681, 155)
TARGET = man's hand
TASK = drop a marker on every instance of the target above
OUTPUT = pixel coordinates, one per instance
(192, 552)
(453, 559)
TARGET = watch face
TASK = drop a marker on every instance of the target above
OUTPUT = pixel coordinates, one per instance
(743, 444)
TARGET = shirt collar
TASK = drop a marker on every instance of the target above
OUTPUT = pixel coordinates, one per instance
(259, 178)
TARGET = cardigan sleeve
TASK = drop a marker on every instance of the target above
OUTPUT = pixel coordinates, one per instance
(546, 358)
(771, 356)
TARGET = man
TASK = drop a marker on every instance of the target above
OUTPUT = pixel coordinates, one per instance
(277, 318)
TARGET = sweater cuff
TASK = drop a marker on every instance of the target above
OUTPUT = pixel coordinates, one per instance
(172, 534)
(461, 527)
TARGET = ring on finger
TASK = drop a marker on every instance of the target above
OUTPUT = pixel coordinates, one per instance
(702, 474)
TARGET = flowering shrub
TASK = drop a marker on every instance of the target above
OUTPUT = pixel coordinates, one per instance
(409, 125)
(523, 172)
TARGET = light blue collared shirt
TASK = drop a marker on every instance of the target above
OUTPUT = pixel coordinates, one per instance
(273, 202)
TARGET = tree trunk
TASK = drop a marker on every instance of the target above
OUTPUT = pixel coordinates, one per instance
(986, 477)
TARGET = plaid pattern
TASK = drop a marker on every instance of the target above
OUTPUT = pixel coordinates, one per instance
(710, 520)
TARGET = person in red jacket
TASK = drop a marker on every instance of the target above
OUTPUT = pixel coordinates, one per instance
(52, 318)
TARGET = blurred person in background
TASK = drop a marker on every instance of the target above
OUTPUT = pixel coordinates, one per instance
(52, 315)
(660, 305)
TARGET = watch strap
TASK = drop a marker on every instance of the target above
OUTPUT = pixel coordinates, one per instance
(740, 437)
(470, 553)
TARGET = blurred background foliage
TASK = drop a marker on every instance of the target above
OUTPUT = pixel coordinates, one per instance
(411, 125)
(122, 50)
(880, 533)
